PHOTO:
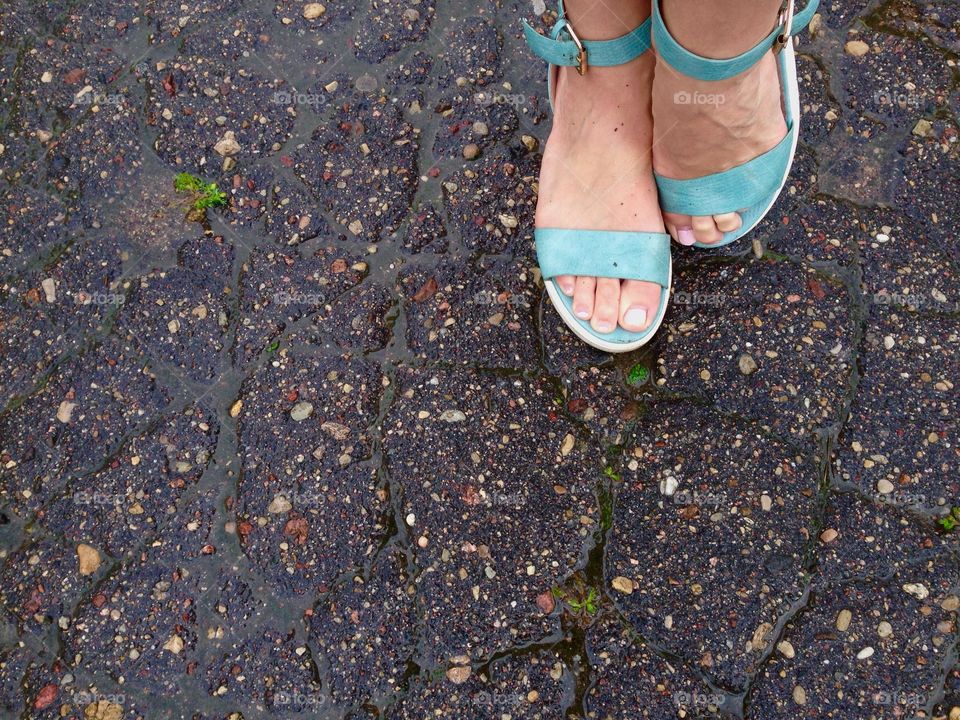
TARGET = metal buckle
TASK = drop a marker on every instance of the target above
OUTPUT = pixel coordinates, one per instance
(784, 20)
(582, 54)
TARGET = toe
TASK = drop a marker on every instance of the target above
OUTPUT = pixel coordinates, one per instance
(705, 230)
(606, 306)
(583, 296)
(566, 283)
(727, 222)
(680, 228)
(639, 302)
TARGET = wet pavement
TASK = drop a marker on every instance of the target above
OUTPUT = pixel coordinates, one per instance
(326, 450)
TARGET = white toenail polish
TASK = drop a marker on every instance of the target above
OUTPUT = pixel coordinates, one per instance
(583, 314)
(604, 327)
(635, 316)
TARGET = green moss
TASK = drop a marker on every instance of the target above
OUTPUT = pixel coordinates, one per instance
(206, 195)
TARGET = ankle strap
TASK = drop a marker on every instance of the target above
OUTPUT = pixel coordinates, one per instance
(564, 47)
(702, 68)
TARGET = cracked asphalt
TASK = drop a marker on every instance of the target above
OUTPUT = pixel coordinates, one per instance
(325, 449)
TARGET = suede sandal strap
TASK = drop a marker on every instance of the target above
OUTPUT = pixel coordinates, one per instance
(604, 253)
(709, 69)
(564, 47)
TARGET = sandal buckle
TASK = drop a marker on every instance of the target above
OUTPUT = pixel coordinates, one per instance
(784, 20)
(581, 50)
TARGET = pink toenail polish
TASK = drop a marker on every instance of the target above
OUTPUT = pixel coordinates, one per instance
(582, 314)
(635, 317)
(685, 236)
(604, 327)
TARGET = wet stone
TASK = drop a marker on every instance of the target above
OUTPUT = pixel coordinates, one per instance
(530, 686)
(196, 92)
(862, 170)
(471, 50)
(127, 502)
(905, 80)
(390, 26)
(112, 391)
(171, 20)
(627, 674)
(32, 224)
(336, 14)
(794, 322)
(903, 425)
(426, 232)
(53, 310)
(81, 76)
(874, 538)
(365, 664)
(900, 675)
(231, 38)
(819, 111)
(480, 313)
(906, 268)
(97, 160)
(928, 188)
(268, 666)
(689, 527)
(362, 167)
(491, 202)
(180, 316)
(471, 119)
(360, 320)
(821, 231)
(316, 465)
(277, 288)
(292, 217)
(472, 455)
(41, 582)
(149, 610)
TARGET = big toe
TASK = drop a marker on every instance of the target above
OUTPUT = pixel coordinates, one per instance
(639, 303)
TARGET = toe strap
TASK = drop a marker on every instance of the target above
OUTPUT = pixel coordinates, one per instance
(730, 190)
(604, 253)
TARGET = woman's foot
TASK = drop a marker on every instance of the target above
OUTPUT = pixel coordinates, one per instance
(597, 175)
(704, 127)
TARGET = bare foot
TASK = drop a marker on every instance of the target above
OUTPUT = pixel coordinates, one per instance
(704, 127)
(597, 175)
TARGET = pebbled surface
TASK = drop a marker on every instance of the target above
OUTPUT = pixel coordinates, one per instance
(328, 451)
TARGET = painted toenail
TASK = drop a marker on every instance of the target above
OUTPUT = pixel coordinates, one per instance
(685, 236)
(635, 316)
(582, 314)
(604, 327)
(568, 289)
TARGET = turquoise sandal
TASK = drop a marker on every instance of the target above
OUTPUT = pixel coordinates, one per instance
(598, 253)
(750, 189)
